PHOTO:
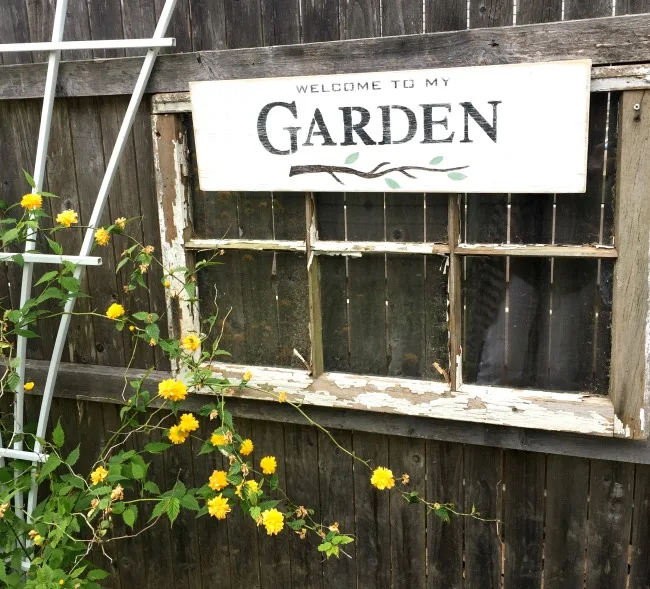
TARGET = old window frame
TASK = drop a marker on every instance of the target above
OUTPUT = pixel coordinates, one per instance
(623, 413)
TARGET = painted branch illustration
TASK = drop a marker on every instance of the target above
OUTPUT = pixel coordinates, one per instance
(376, 172)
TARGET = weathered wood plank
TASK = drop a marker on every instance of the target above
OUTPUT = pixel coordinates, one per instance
(445, 15)
(242, 531)
(630, 365)
(524, 519)
(14, 28)
(371, 513)
(274, 551)
(640, 542)
(610, 517)
(604, 41)
(483, 480)
(104, 384)
(301, 463)
(208, 25)
(444, 484)
(567, 489)
(335, 472)
(407, 522)
(280, 22)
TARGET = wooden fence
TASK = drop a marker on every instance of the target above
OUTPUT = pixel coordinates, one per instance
(574, 511)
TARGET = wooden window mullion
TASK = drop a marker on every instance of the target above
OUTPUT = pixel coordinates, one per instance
(455, 301)
(313, 281)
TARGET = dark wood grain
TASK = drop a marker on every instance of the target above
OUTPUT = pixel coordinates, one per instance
(407, 522)
(567, 488)
(445, 15)
(208, 25)
(275, 553)
(444, 540)
(106, 23)
(401, 17)
(610, 518)
(281, 22)
(360, 19)
(604, 41)
(14, 28)
(639, 563)
(335, 482)
(371, 514)
(483, 479)
(302, 476)
(524, 519)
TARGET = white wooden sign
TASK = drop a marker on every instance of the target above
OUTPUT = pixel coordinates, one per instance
(504, 128)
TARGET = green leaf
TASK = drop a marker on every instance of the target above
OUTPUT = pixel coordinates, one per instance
(353, 157)
(325, 546)
(29, 178)
(70, 283)
(51, 464)
(436, 160)
(442, 513)
(10, 235)
(391, 183)
(19, 259)
(72, 458)
(152, 331)
(58, 436)
(97, 575)
(156, 447)
(129, 515)
(54, 246)
(47, 277)
(152, 488)
(173, 509)
(189, 502)
(273, 482)
(141, 316)
(138, 470)
(255, 513)
(456, 176)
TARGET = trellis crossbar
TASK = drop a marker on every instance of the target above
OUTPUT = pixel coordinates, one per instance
(30, 257)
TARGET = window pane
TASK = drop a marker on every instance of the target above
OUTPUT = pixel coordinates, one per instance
(574, 219)
(537, 323)
(376, 216)
(385, 315)
(243, 215)
(265, 296)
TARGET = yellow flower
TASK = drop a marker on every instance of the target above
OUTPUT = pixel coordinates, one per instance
(218, 507)
(31, 202)
(115, 311)
(188, 422)
(120, 223)
(131, 327)
(3, 508)
(268, 464)
(152, 342)
(177, 435)
(282, 397)
(218, 480)
(167, 284)
(273, 521)
(382, 478)
(191, 343)
(405, 479)
(29, 386)
(218, 440)
(437, 506)
(98, 475)
(246, 447)
(172, 389)
(102, 237)
(247, 375)
(67, 218)
(61, 582)
(253, 486)
(38, 540)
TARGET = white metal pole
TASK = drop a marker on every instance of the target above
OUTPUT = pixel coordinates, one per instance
(79, 45)
(39, 176)
(86, 247)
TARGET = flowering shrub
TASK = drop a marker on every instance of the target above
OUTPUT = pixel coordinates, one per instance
(78, 512)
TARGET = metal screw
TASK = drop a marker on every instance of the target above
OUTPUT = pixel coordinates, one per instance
(637, 106)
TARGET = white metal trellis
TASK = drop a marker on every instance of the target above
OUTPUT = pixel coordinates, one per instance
(84, 258)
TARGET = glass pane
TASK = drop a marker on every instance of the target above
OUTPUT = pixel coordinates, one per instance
(537, 323)
(385, 315)
(568, 219)
(265, 300)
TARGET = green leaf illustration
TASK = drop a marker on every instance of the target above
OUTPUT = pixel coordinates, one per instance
(436, 160)
(391, 183)
(353, 157)
(456, 176)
